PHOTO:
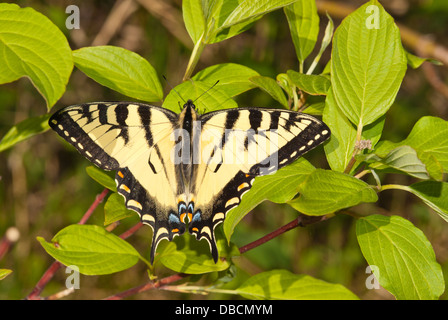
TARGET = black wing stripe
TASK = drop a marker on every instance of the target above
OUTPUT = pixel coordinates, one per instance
(275, 115)
(102, 108)
(121, 113)
(145, 117)
(255, 117)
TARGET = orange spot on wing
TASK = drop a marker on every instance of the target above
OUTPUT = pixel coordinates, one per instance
(242, 186)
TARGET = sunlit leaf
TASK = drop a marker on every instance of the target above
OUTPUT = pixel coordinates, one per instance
(121, 70)
(326, 191)
(32, 46)
(402, 255)
(92, 249)
(24, 130)
(282, 284)
(368, 64)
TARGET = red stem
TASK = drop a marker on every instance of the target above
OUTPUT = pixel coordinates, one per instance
(131, 231)
(34, 295)
(301, 221)
(48, 275)
(291, 225)
(92, 208)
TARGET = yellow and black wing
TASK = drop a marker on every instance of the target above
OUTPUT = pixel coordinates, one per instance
(136, 140)
(237, 145)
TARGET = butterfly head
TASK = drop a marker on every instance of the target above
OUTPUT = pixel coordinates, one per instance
(189, 104)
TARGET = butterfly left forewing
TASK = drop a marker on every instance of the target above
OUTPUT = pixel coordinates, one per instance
(238, 145)
(134, 139)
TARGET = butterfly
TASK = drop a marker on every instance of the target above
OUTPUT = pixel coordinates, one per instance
(188, 169)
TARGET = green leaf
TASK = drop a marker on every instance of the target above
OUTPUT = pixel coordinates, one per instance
(233, 78)
(92, 249)
(187, 255)
(414, 61)
(339, 149)
(303, 22)
(327, 191)
(270, 86)
(429, 137)
(115, 209)
(226, 19)
(193, 18)
(374, 130)
(101, 177)
(24, 130)
(32, 46)
(402, 158)
(249, 9)
(316, 109)
(310, 83)
(403, 256)
(121, 70)
(205, 97)
(282, 284)
(284, 82)
(368, 63)
(328, 36)
(4, 273)
(279, 187)
(434, 194)
(216, 12)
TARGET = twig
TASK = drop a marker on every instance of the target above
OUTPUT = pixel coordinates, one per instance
(60, 294)
(148, 286)
(119, 13)
(131, 231)
(434, 80)
(95, 204)
(170, 17)
(48, 275)
(301, 221)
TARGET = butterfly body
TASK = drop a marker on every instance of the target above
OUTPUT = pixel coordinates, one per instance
(188, 168)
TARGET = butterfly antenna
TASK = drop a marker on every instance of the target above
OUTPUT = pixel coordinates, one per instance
(172, 88)
(206, 91)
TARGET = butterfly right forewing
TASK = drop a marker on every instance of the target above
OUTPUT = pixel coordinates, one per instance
(241, 144)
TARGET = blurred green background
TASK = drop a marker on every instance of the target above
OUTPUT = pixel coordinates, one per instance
(44, 186)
